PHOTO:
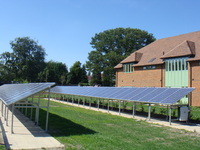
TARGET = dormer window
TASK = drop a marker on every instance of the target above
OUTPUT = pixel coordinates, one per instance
(128, 67)
(176, 64)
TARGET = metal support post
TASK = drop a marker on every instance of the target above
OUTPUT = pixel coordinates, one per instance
(98, 103)
(170, 115)
(47, 116)
(38, 113)
(2, 108)
(5, 112)
(7, 115)
(134, 109)
(149, 112)
(32, 109)
(13, 105)
(26, 107)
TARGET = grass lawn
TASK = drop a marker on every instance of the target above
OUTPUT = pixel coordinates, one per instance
(83, 129)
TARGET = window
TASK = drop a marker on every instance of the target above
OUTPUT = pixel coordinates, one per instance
(149, 67)
(176, 64)
(128, 67)
(151, 60)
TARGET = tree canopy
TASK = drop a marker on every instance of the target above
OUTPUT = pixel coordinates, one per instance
(54, 72)
(111, 47)
(25, 62)
(77, 74)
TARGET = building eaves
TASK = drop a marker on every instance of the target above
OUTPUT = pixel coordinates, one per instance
(134, 57)
(186, 48)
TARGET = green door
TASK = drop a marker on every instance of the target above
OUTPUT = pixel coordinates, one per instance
(176, 74)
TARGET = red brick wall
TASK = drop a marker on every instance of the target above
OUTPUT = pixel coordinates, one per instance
(155, 78)
(140, 77)
(194, 81)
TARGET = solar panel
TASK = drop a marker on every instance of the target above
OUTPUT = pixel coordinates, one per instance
(11, 93)
(136, 94)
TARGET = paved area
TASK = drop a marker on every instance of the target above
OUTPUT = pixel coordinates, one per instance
(178, 125)
(27, 135)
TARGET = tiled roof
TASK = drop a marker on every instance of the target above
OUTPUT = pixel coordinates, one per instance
(176, 46)
(118, 66)
(134, 57)
(186, 48)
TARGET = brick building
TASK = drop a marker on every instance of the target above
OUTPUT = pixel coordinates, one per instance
(167, 62)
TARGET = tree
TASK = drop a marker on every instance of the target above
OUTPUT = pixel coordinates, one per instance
(26, 60)
(77, 74)
(7, 68)
(111, 47)
(54, 72)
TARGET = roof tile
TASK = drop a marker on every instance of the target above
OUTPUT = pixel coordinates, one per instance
(176, 46)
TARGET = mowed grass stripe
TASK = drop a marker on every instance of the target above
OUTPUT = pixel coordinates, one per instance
(80, 128)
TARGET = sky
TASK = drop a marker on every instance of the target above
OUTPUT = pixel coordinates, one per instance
(64, 28)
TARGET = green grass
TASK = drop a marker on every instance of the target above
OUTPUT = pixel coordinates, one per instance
(2, 147)
(82, 129)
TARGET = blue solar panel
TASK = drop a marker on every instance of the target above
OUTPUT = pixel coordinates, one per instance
(129, 94)
(141, 93)
(144, 94)
(149, 96)
(122, 93)
(11, 93)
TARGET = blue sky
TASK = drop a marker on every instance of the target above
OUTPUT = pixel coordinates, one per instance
(65, 27)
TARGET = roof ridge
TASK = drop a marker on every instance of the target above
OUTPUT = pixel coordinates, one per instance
(190, 46)
(179, 35)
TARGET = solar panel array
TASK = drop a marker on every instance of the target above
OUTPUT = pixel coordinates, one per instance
(11, 93)
(137, 94)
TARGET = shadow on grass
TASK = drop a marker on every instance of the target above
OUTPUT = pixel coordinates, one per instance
(59, 126)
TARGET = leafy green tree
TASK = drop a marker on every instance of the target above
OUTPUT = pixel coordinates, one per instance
(111, 47)
(26, 60)
(29, 58)
(54, 72)
(6, 68)
(77, 74)
(84, 78)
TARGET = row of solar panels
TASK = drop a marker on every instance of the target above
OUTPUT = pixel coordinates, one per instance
(11, 93)
(143, 94)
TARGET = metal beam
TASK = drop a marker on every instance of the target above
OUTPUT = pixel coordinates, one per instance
(7, 115)
(170, 115)
(134, 109)
(12, 118)
(149, 112)
(98, 103)
(47, 116)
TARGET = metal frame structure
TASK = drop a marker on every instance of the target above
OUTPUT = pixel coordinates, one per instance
(110, 94)
(16, 96)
